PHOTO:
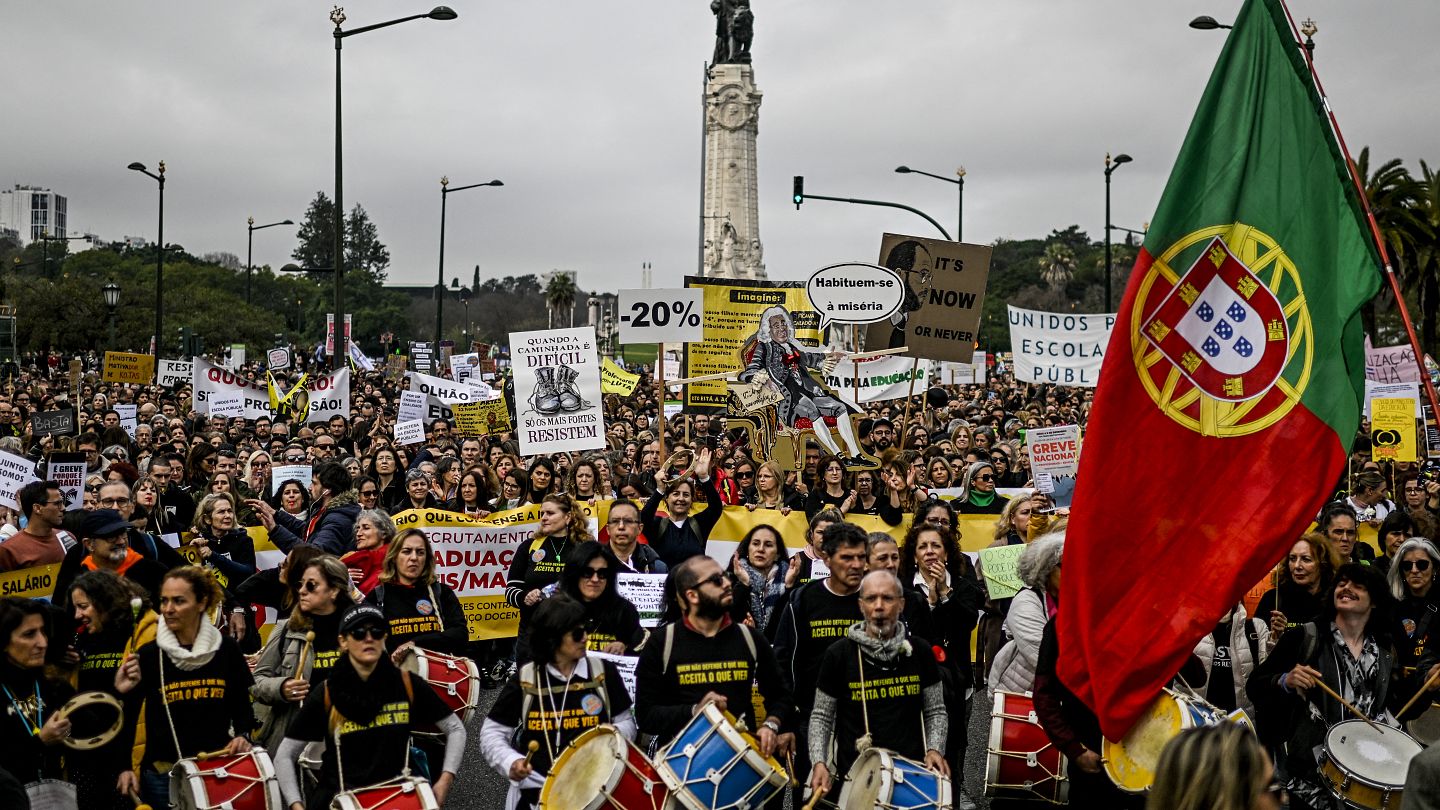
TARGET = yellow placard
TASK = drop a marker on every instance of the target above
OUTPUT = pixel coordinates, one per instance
(481, 418)
(30, 583)
(732, 321)
(616, 380)
(1392, 429)
(128, 367)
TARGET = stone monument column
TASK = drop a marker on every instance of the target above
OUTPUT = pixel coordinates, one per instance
(732, 246)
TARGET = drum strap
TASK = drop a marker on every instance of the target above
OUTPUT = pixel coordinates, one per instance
(670, 645)
(439, 614)
(335, 720)
(165, 701)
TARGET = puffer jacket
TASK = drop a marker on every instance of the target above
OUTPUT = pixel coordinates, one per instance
(277, 665)
(1242, 658)
(1014, 667)
(332, 531)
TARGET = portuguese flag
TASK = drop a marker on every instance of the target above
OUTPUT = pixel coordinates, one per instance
(1232, 383)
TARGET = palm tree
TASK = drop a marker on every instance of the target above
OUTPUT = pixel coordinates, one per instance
(560, 292)
(1394, 197)
(1426, 275)
(1057, 266)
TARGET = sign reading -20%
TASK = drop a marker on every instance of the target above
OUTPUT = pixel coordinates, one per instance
(662, 316)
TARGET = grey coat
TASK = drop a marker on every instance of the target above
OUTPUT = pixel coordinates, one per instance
(276, 666)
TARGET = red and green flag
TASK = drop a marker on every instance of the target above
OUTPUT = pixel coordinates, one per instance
(1232, 383)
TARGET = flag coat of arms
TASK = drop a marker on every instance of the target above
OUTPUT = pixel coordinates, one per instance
(1232, 383)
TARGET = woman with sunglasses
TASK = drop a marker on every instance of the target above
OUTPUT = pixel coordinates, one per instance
(322, 596)
(257, 474)
(366, 713)
(557, 695)
(611, 620)
(374, 530)
(1412, 583)
(977, 491)
(367, 492)
(422, 611)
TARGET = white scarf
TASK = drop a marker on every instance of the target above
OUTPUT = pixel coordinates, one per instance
(207, 643)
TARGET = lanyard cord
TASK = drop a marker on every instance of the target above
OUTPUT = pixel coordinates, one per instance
(554, 714)
(39, 710)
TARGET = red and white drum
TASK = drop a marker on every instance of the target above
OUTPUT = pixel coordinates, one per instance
(406, 793)
(229, 781)
(454, 678)
(1021, 762)
(602, 769)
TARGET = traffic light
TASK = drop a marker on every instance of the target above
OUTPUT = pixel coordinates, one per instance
(186, 341)
(799, 190)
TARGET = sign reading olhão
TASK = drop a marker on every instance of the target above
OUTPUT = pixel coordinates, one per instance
(1059, 348)
(557, 390)
(128, 367)
(944, 291)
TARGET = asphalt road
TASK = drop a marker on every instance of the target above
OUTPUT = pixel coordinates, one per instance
(481, 788)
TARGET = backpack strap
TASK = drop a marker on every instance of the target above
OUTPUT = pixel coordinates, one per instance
(749, 642)
(379, 594)
(528, 693)
(669, 646)
(409, 687)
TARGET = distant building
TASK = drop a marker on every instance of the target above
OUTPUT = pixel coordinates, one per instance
(31, 211)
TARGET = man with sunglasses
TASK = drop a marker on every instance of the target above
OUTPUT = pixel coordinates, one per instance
(42, 541)
(705, 657)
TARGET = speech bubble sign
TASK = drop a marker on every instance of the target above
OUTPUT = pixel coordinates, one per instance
(854, 292)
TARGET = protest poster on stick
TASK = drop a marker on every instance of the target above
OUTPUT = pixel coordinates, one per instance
(441, 393)
(15, 472)
(1054, 458)
(939, 315)
(877, 379)
(1063, 349)
(68, 470)
(407, 433)
(481, 418)
(128, 367)
(1392, 430)
(732, 310)
(557, 390)
(999, 566)
(53, 423)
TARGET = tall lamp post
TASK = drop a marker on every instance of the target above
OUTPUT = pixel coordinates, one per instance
(337, 16)
(465, 303)
(1110, 167)
(251, 228)
(959, 181)
(800, 196)
(111, 294)
(445, 192)
(159, 177)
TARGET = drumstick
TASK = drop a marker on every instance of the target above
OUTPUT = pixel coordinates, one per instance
(530, 750)
(790, 766)
(1347, 704)
(139, 805)
(814, 800)
(304, 651)
(1429, 682)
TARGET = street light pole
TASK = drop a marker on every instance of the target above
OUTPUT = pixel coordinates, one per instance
(337, 16)
(800, 196)
(959, 182)
(251, 228)
(159, 252)
(1110, 167)
(445, 192)
(111, 294)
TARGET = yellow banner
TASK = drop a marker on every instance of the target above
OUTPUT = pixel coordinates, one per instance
(481, 418)
(732, 317)
(1392, 429)
(30, 583)
(616, 380)
(128, 367)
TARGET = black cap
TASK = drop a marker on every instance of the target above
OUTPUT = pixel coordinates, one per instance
(103, 523)
(360, 615)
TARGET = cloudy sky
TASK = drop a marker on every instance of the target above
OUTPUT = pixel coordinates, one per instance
(590, 113)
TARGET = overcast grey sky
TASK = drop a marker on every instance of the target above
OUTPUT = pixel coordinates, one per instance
(590, 113)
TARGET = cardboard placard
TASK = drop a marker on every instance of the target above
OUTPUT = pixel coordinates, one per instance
(481, 418)
(68, 470)
(128, 367)
(557, 390)
(281, 473)
(1054, 460)
(412, 406)
(939, 315)
(999, 565)
(411, 432)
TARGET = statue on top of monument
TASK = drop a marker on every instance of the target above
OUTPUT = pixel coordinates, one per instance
(734, 31)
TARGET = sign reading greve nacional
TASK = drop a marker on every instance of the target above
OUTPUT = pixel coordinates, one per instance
(1054, 458)
(1064, 349)
(209, 380)
(557, 390)
(939, 314)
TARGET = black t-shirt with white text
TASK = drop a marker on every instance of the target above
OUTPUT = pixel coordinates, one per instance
(813, 619)
(1220, 689)
(894, 699)
(555, 718)
(209, 705)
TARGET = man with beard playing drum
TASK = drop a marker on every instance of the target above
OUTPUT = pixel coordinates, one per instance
(877, 690)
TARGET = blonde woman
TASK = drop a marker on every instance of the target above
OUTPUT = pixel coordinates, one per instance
(1220, 767)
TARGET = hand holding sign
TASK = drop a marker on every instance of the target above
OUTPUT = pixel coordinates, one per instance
(410, 432)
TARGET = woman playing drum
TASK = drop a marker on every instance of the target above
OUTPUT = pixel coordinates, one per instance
(562, 692)
(192, 684)
(366, 713)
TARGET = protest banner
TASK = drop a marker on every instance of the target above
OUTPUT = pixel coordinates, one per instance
(1064, 349)
(68, 470)
(53, 423)
(464, 366)
(1392, 430)
(208, 380)
(878, 378)
(971, 373)
(646, 592)
(481, 418)
(944, 293)
(616, 380)
(732, 320)
(1401, 390)
(441, 393)
(128, 367)
(1390, 364)
(174, 372)
(625, 665)
(281, 473)
(15, 472)
(1054, 458)
(976, 531)
(557, 390)
(329, 396)
(407, 433)
(854, 292)
(999, 567)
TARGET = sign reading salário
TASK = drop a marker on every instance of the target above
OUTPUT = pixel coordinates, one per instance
(557, 390)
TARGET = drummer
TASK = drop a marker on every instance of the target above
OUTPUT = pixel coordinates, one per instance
(423, 611)
(874, 658)
(1349, 651)
(366, 712)
(204, 703)
(554, 698)
(111, 626)
(30, 730)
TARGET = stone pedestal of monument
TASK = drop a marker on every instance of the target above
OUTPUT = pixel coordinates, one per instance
(732, 205)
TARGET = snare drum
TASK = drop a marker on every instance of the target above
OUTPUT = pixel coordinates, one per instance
(405, 793)
(454, 678)
(888, 781)
(602, 769)
(713, 765)
(1021, 762)
(229, 781)
(1365, 766)
(1426, 727)
(1130, 763)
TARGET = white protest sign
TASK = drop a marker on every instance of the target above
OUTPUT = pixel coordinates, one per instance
(464, 366)
(412, 406)
(329, 396)
(228, 404)
(170, 372)
(15, 472)
(626, 665)
(1390, 364)
(658, 316)
(854, 292)
(646, 592)
(68, 470)
(128, 414)
(879, 378)
(440, 393)
(1055, 455)
(557, 390)
(412, 432)
(1397, 390)
(1064, 349)
(289, 472)
(961, 373)
(210, 380)
(277, 359)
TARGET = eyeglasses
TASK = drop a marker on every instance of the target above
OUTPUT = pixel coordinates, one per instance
(984, 478)
(595, 573)
(372, 632)
(113, 502)
(1415, 565)
(579, 634)
(624, 522)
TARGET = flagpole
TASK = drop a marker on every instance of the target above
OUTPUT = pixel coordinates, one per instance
(1370, 217)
